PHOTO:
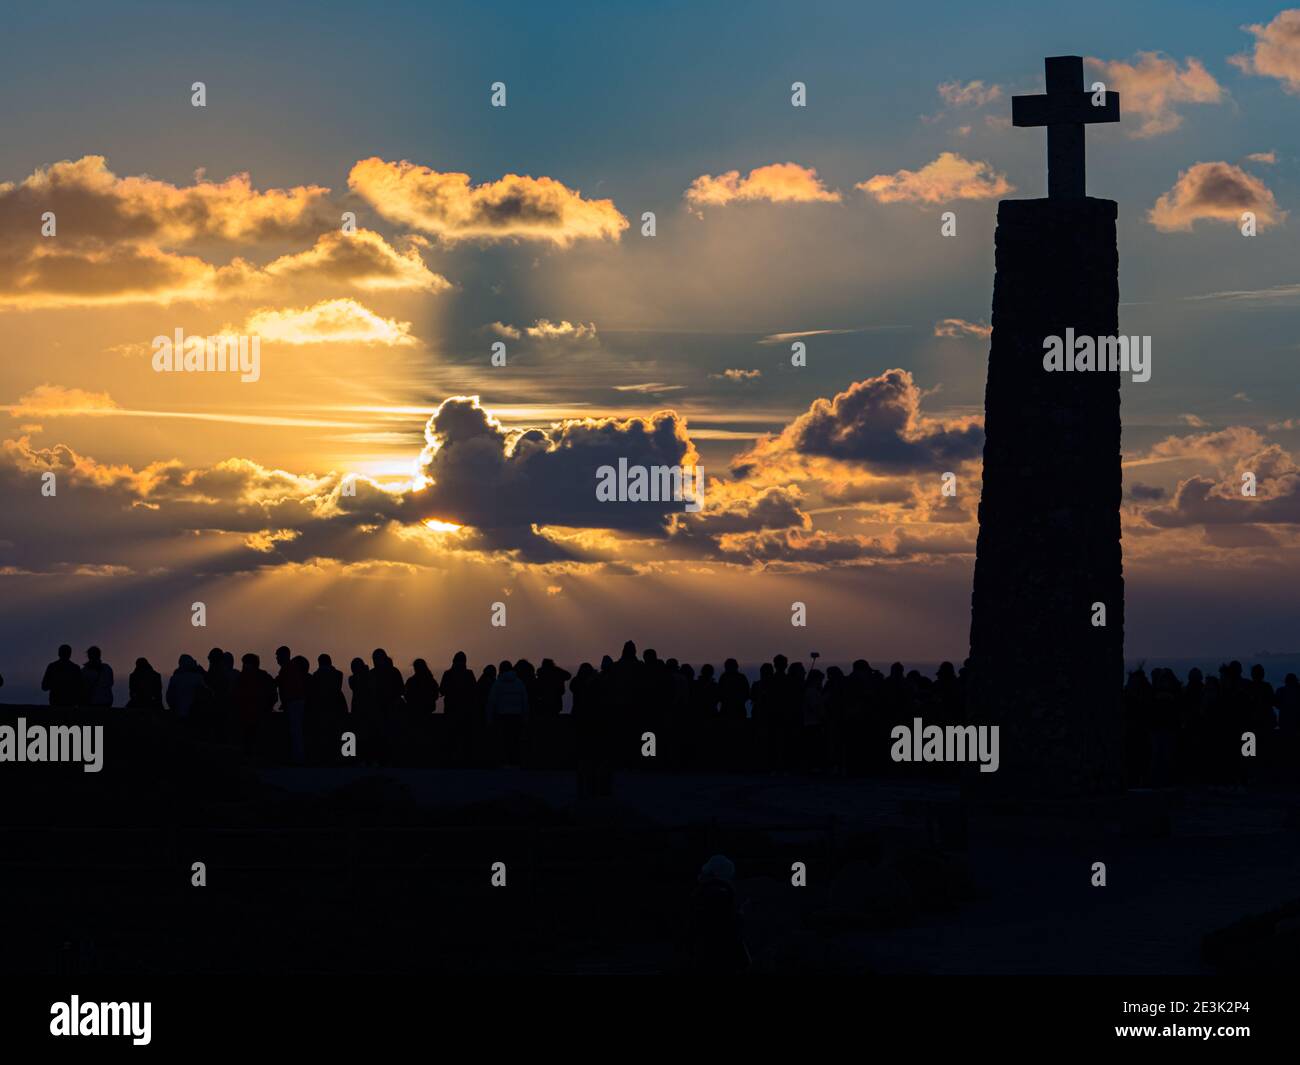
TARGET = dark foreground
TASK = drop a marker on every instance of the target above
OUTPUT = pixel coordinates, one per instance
(391, 870)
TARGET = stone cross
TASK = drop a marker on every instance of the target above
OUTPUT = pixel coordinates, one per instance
(1065, 110)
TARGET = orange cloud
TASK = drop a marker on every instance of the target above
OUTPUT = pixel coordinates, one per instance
(341, 321)
(949, 177)
(119, 240)
(90, 202)
(513, 207)
(959, 327)
(59, 273)
(1217, 191)
(363, 259)
(1277, 50)
(775, 183)
(1152, 84)
(50, 401)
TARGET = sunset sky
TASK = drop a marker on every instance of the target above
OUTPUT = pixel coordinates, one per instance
(524, 224)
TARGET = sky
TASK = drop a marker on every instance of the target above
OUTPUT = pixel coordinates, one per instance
(349, 195)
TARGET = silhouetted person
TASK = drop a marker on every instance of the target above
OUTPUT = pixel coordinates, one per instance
(458, 706)
(733, 691)
(506, 707)
(255, 694)
(185, 688)
(421, 689)
(97, 679)
(592, 735)
(388, 688)
(63, 679)
(457, 687)
(326, 710)
(763, 702)
(483, 688)
(144, 687)
(551, 680)
(363, 716)
(291, 683)
(812, 719)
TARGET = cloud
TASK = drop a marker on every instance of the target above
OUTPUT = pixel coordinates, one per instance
(1152, 84)
(737, 375)
(363, 259)
(1262, 157)
(514, 207)
(1203, 501)
(90, 202)
(51, 401)
(505, 482)
(75, 268)
(121, 240)
(1276, 52)
(1216, 191)
(775, 183)
(340, 321)
(876, 422)
(649, 388)
(1215, 448)
(949, 177)
(785, 338)
(543, 329)
(972, 94)
(959, 327)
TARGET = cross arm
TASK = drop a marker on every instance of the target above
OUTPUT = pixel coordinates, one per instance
(1063, 108)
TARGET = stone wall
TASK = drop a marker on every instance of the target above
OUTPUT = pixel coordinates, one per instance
(1049, 538)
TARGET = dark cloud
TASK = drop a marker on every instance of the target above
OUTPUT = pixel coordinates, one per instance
(876, 422)
(1146, 493)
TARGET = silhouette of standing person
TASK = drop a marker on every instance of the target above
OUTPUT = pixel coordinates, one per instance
(185, 688)
(458, 702)
(363, 709)
(421, 689)
(254, 699)
(507, 706)
(63, 679)
(97, 679)
(291, 683)
(592, 737)
(326, 709)
(144, 687)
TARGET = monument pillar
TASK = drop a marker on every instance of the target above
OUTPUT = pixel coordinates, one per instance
(1048, 558)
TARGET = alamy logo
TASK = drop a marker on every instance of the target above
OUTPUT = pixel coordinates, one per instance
(1126, 354)
(951, 743)
(21, 742)
(201, 354)
(651, 484)
(102, 1018)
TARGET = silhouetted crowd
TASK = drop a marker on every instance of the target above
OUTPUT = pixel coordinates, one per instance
(1195, 733)
(791, 719)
